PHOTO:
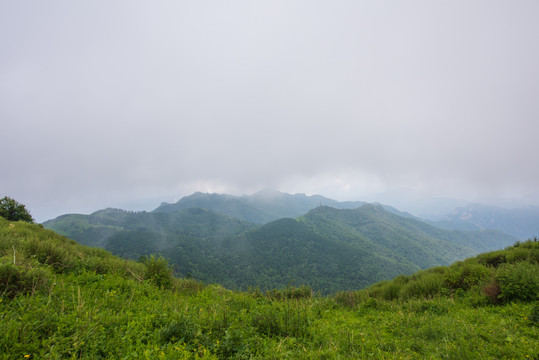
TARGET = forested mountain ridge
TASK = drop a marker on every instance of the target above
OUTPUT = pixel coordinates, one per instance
(99, 227)
(521, 222)
(328, 249)
(286, 252)
(375, 221)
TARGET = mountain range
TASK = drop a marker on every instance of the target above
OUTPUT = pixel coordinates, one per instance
(521, 222)
(260, 208)
(271, 240)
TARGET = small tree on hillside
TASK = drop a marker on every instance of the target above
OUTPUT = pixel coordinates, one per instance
(14, 211)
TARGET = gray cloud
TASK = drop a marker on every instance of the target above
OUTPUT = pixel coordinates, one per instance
(128, 103)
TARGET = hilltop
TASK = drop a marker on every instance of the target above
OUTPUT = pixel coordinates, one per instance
(259, 208)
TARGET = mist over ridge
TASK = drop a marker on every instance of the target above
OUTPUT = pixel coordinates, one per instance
(347, 100)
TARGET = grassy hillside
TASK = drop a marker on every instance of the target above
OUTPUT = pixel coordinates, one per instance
(59, 299)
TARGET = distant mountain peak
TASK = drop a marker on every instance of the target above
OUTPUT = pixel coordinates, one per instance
(267, 194)
(261, 207)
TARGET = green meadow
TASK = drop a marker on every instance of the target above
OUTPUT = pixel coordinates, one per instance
(63, 300)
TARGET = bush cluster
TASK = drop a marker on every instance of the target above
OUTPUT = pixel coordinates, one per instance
(518, 281)
(158, 271)
(17, 280)
(496, 277)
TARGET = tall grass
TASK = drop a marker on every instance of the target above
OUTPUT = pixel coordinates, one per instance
(98, 306)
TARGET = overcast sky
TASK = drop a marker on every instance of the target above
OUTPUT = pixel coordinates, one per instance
(129, 103)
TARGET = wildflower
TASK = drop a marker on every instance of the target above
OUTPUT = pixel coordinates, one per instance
(26, 356)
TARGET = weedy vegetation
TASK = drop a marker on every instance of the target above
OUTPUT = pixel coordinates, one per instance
(62, 300)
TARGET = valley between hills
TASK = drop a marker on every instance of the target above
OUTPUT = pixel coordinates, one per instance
(271, 240)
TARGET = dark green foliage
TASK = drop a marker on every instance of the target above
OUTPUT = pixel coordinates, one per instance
(13, 211)
(239, 342)
(465, 275)
(519, 281)
(9, 280)
(158, 271)
(134, 244)
(494, 258)
(427, 286)
(482, 280)
(181, 330)
(534, 315)
(15, 280)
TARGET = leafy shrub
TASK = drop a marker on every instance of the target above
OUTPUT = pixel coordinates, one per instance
(372, 303)
(50, 253)
(391, 291)
(426, 286)
(387, 290)
(517, 254)
(494, 258)
(465, 275)
(181, 330)
(236, 343)
(96, 264)
(13, 211)
(158, 271)
(492, 291)
(15, 280)
(267, 322)
(9, 280)
(518, 281)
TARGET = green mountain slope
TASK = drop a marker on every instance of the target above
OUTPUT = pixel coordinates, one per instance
(100, 228)
(59, 299)
(328, 249)
(287, 252)
(375, 222)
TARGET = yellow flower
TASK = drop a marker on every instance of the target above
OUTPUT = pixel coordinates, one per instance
(26, 356)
